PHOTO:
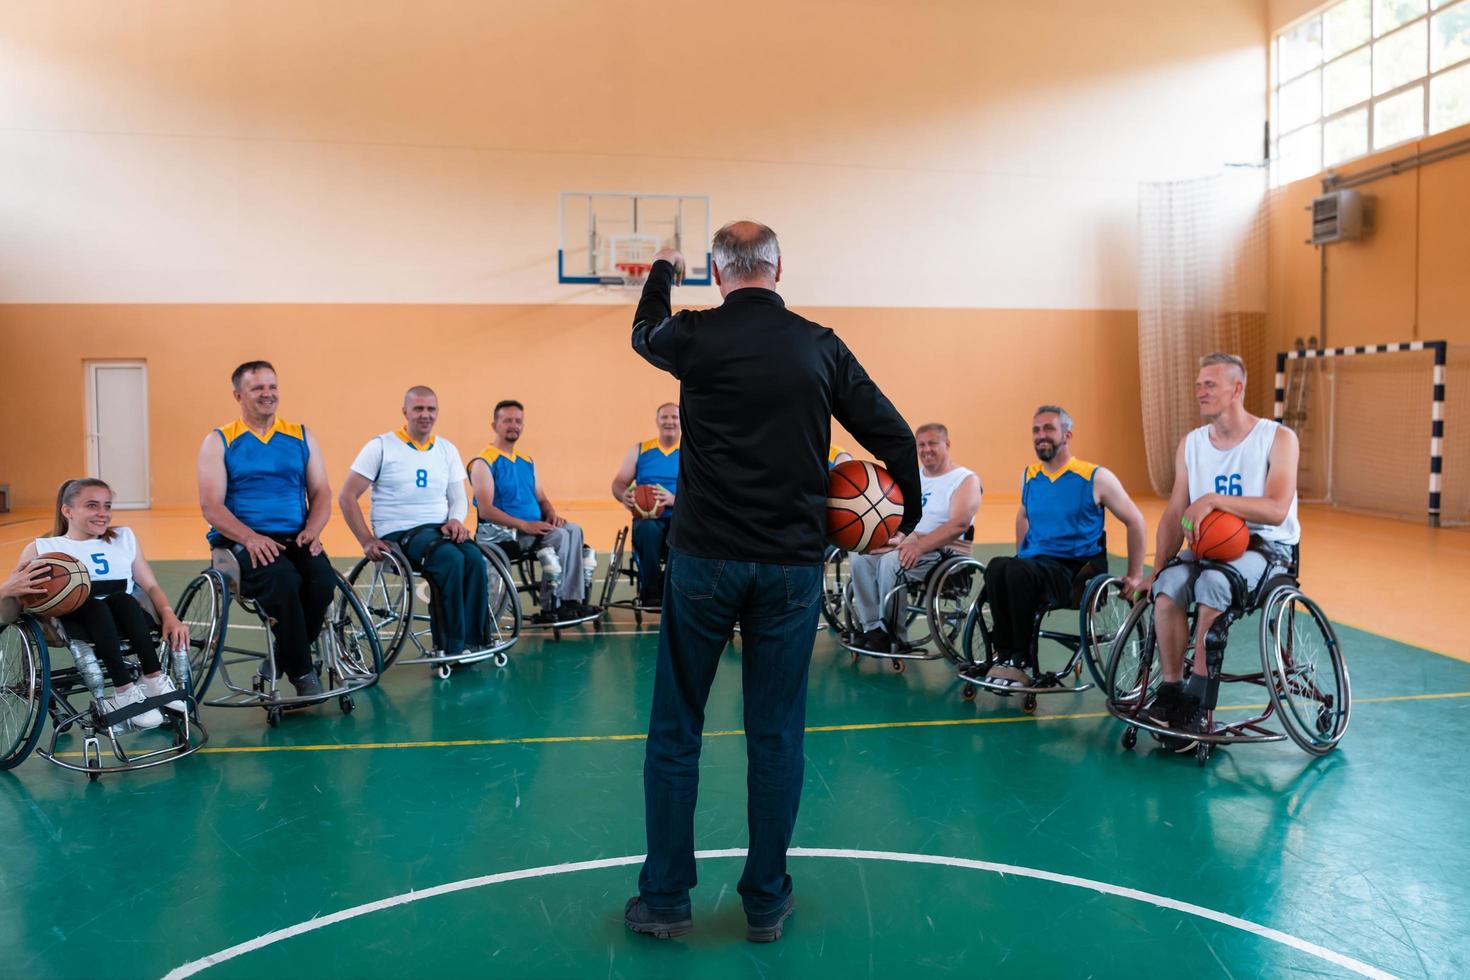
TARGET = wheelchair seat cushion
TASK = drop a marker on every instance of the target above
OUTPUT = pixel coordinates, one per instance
(224, 561)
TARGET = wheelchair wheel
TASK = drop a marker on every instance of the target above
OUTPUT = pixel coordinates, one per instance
(1300, 652)
(614, 568)
(1131, 676)
(204, 609)
(954, 591)
(976, 647)
(25, 689)
(834, 589)
(385, 589)
(1102, 614)
(348, 644)
(504, 604)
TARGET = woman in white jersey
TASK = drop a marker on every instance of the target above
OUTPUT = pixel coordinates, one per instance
(83, 530)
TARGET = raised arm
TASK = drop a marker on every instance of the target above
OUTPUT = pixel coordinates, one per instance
(210, 470)
(653, 330)
(867, 413)
(1113, 498)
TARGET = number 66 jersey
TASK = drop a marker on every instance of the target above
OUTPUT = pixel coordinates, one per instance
(1239, 471)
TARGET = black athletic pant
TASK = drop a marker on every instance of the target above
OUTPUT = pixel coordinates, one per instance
(294, 590)
(1017, 587)
(106, 620)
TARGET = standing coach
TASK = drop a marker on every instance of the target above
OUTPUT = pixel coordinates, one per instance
(759, 387)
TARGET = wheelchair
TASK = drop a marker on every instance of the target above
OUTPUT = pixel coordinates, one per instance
(389, 590)
(527, 569)
(1101, 607)
(32, 688)
(623, 564)
(1302, 668)
(346, 650)
(932, 606)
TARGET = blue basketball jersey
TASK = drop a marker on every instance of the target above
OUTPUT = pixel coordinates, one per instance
(265, 478)
(1063, 519)
(515, 483)
(658, 466)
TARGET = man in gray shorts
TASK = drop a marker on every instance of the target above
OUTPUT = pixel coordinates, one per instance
(1239, 464)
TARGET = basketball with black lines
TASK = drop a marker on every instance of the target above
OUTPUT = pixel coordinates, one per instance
(67, 585)
(1221, 537)
(864, 506)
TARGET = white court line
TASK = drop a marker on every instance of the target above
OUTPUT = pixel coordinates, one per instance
(311, 925)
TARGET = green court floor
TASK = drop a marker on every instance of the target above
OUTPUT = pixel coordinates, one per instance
(1361, 854)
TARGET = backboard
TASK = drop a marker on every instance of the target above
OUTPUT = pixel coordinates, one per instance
(609, 239)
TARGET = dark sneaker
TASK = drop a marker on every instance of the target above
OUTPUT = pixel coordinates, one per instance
(769, 932)
(585, 609)
(1164, 708)
(878, 640)
(307, 685)
(641, 919)
(546, 617)
(1191, 721)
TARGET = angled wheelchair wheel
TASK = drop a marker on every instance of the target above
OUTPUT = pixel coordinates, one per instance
(348, 644)
(1101, 616)
(25, 689)
(977, 640)
(954, 591)
(504, 603)
(1301, 653)
(834, 589)
(1132, 674)
(385, 588)
(204, 609)
(614, 568)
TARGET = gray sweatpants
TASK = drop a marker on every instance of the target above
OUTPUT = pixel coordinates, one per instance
(1189, 582)
(567, 564)
(874, 576)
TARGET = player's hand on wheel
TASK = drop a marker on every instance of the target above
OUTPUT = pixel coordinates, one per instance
(376, 549)
(1133, 586)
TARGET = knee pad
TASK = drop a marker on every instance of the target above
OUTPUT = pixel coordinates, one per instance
(550, 567)
(1215, 641)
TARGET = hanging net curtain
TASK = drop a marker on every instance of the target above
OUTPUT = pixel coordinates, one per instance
(1201, 288)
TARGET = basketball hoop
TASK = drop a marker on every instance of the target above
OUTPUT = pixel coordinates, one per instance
(634, 273)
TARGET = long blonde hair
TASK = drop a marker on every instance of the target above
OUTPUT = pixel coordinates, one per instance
(64, 498)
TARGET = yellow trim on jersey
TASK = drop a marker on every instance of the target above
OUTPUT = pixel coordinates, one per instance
(491, 452)
(644, 447)
(1074, 465)
(238, 428)
(422, 447)
(834, 451)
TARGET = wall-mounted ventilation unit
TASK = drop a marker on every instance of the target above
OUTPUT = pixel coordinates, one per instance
(1337, 217)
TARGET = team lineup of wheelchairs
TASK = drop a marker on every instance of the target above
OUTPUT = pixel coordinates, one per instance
(381, 613)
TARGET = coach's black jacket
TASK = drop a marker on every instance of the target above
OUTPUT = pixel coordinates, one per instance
(759, 387)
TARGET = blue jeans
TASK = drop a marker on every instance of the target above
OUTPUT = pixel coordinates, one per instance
(777, 608)
(649, 537)
(459, 605)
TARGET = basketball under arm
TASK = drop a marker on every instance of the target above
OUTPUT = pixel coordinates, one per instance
(867, 413)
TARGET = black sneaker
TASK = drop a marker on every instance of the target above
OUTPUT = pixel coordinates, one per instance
(1164, 708)
(307, 685)
(1191, 721)
(878, 640)
(769, 932)
(638, 917)
(546, 617)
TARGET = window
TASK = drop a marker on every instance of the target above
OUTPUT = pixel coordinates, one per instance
(1362, 75)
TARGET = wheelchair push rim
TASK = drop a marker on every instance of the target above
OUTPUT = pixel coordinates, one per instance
(1300, 652)
(204, 610)
(25, 689)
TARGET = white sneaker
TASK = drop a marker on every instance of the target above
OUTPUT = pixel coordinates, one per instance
(151, 718)
(162, 684)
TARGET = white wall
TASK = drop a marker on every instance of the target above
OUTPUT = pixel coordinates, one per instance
(966, 153)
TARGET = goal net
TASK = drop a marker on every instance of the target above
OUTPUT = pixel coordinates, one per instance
(1378, 427)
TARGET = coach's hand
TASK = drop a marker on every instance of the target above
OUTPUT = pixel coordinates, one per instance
(261, 549)
(537, 528)
(376, 549)
(672, 255)
(455, 531)
(311, 541)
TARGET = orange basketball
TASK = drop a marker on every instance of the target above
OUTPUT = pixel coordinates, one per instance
(67, 586)
(864, 506)
(645, 504)
(1221, 537)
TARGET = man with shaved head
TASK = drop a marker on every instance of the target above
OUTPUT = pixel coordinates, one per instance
(419, 503)
(758, 389)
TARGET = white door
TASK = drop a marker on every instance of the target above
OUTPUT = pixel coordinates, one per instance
(117, 429)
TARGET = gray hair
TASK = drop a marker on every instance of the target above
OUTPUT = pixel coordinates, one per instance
(1218, 357)
(740, 258)
(1059, 412)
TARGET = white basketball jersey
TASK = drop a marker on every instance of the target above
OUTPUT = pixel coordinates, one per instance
(937, 493)
(410, 485)
(105, 561)
(1238, 472)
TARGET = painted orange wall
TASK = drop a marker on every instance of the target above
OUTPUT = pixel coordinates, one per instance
(343, 370)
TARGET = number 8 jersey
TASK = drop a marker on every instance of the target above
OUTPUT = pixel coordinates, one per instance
(105, 561)
(413, 483)
(1239, 471)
